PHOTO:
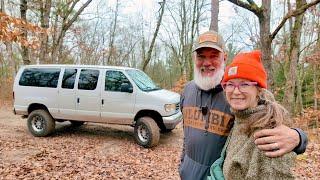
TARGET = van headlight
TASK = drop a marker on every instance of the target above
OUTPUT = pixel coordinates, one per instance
(169, 107)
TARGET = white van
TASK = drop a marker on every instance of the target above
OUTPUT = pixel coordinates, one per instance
(100, 94)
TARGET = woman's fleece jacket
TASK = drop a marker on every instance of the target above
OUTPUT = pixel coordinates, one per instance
(245, 161)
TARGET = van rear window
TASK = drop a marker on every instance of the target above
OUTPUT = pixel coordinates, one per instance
(40, 77)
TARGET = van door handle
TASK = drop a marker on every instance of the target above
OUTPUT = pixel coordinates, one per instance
(102, 102)
(78, 100)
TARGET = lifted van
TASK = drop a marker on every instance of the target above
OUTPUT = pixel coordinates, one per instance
(101, 94)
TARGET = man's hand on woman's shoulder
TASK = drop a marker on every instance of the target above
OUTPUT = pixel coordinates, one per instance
(278, 141)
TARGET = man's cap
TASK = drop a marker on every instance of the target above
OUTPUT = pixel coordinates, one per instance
(210, 39)
(247, 65)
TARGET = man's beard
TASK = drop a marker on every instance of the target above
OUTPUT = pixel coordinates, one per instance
(208, 82)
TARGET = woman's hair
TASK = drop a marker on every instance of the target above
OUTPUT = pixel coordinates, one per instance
(271, 116)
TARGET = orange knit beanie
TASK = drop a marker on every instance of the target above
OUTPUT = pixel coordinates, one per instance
(247, 66)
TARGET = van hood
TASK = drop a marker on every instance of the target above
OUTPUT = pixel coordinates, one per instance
(165, 95)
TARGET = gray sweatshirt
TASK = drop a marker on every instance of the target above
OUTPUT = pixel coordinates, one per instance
(207, 121)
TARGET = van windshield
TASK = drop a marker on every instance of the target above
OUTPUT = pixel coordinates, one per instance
(142, 80)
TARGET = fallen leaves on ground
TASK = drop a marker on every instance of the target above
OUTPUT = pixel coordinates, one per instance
(88, 153)
(104, 152)
(308, 164)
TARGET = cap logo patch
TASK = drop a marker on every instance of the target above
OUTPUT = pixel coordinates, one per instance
(208, 37)
(233, 71)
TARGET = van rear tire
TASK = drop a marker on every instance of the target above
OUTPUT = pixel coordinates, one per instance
(146, 132)
(40, 123)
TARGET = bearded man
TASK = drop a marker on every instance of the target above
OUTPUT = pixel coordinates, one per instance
(207, 119)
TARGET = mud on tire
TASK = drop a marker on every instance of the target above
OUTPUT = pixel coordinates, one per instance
(40, 123)
(147, 132)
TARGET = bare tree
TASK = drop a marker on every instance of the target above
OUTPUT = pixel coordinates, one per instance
(315, 62)
(8, 45)
(45, 10)
(185, 16)
(289, 100)
(68, 18)
(263, 13)
(148, 58)
(214, 15)
(23, 14)
(195, 20)
(112, 33)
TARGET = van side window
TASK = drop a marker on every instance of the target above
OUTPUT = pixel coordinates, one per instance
(69, 78)
(114, 79)
(40, 77)
(88, 79)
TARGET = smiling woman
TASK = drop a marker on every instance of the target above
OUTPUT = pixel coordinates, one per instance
(254, 108)
(241, 93)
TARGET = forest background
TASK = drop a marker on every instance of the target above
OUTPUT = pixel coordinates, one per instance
(157, 37)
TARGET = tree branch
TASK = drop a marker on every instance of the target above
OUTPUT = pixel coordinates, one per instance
(294, 13)
(252, 2)
(77, 14)
(252, 6)
(147, 60)
(307, 46)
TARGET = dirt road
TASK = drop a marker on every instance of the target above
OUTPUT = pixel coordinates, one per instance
(92, 151)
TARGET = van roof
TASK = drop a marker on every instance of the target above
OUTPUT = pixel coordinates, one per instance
(77, 66)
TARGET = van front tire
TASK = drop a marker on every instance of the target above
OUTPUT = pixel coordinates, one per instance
(146, 132)
(40, 123)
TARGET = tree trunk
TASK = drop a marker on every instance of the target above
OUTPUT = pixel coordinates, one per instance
(299, 103)
(9, 55)
(66, 24)
(149, 53)
(315, 87)
(2, 6)
(183, 34)
(112, 34)
(300, 80)
(10, 59)
(45, 8)
(289, 100)
(214, 15)
(315, 78)
(265, 39)
(195, 14)
(23, 13)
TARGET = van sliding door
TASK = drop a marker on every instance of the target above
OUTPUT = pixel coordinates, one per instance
(88, 95)
(67, 95)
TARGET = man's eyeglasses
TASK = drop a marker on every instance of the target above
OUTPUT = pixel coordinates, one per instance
(242, 86)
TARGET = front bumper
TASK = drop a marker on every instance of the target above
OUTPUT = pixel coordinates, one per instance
(170, 122)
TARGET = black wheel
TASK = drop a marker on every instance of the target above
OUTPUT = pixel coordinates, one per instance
(77, 123)
(40, 123)
(147, 132)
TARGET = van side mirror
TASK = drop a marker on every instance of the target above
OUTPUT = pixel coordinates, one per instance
(126, 87)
